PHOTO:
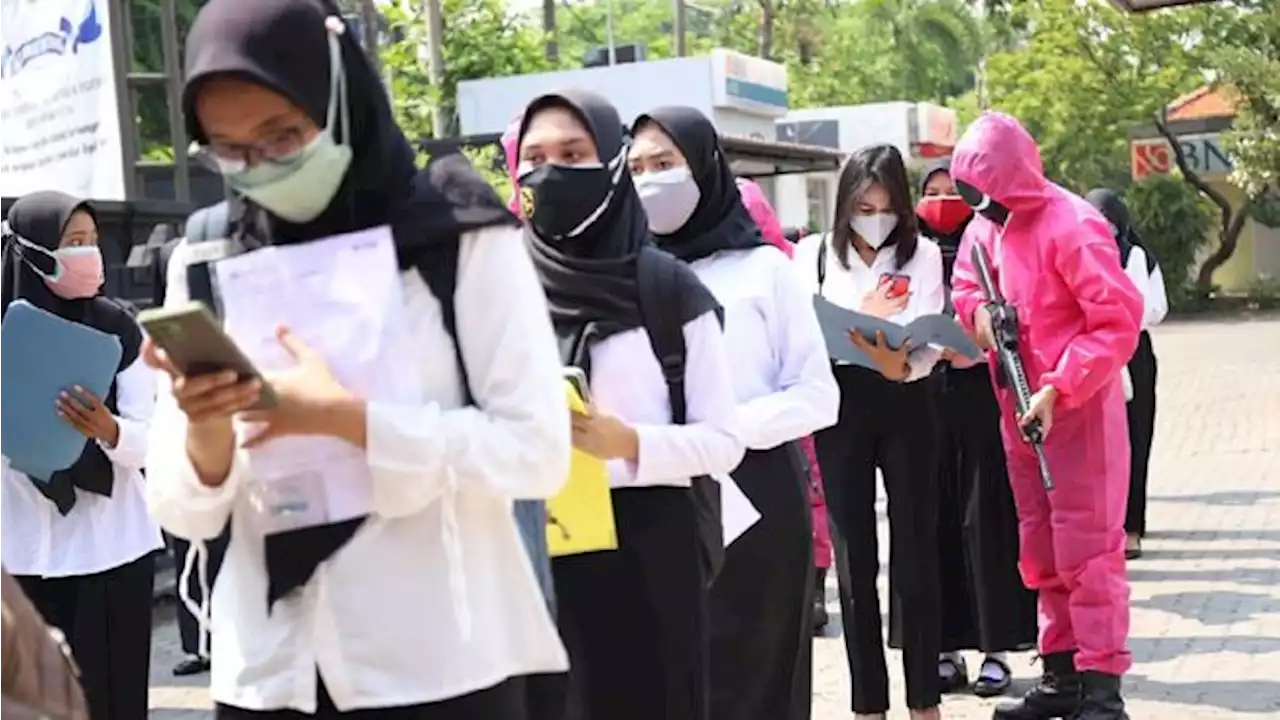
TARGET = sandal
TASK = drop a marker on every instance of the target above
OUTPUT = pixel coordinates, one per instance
(990, 684)
(953, 675)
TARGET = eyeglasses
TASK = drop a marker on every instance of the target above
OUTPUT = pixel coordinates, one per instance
(278, 146)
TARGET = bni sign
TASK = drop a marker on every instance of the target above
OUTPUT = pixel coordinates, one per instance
(1204, 153)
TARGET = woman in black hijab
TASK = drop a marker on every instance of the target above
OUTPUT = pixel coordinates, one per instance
(82, 543)
(761, 602)
(1142, 268)
(424, 606)
(985, 606)
(634, 619)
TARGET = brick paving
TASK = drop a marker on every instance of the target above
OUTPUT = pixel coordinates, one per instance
(1206, 596)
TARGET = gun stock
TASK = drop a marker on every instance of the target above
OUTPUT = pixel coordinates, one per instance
(1004, 326)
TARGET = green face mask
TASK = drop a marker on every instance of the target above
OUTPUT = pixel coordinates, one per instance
(299, 187)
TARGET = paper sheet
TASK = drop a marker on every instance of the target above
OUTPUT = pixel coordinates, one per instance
(342, 297)
(737, 514)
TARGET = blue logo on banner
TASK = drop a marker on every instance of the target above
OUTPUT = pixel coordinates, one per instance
(67, 38)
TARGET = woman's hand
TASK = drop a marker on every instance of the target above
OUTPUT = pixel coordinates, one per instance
(83, 411)
(890, 362)
(605, 436)
(879, 303)
(311, 400)
(1040, 408)
(207, 400)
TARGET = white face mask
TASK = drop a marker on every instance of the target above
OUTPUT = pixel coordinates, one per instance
(669, 198)
(874, 229)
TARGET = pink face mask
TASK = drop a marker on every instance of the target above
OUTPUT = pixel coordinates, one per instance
(77, 271)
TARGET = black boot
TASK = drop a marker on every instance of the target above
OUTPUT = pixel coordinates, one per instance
(1100, 697)
(820, 618)
(1057, 695)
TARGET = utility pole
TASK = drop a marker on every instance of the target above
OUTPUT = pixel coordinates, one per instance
(369, 22)
(441, 116)
(608, 31)
(552, 47)
(678, 26)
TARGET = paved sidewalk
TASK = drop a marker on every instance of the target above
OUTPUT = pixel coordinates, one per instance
(1206, 597)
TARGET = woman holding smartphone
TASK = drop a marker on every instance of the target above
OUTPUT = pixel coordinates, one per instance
(425, 606)
(634, 619)
(874, 262)
(81, 544)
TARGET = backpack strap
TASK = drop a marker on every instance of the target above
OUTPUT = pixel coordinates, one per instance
(205, 224)
(661, 308)
(822, 261)
(658, 307)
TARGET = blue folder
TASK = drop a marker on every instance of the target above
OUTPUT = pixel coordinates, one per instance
(45, 354)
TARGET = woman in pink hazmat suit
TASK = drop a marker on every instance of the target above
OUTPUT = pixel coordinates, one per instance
(762, 212)
(1078, 320)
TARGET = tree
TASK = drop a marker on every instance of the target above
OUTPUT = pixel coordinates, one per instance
(151, 108)
(1084, 73)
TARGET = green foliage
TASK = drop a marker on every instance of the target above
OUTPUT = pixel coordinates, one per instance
(489, 163)
(1251, 66)
(1085, 73)
(1173, 220)
(151, 108)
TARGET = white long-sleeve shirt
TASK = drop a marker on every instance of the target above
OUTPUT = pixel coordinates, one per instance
(100, 533)
(383, 618)
(781, 372)
(1151, 285)
(847, 288)
(627, 382)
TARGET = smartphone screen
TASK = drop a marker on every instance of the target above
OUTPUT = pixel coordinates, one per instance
(899, 285)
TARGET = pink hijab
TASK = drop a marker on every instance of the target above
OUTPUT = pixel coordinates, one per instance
(762, 212)
(511, 149)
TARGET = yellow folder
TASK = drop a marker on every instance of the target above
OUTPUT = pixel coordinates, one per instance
(580, 517)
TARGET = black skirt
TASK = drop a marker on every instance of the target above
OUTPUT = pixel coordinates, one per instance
(984, 603)
(634, 620)
(761, 602)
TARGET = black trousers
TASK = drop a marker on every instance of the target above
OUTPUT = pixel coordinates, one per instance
(1142, 427)
(188, 628)
(891, 426)
(106, 618)
(504, 701)
(985, 606)
(634, 620)
(761, 602)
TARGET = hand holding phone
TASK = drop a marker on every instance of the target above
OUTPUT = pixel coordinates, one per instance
(897, 285)
(211, 375)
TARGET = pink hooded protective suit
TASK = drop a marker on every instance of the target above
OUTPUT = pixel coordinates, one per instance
(1078, 317)
(762, 212)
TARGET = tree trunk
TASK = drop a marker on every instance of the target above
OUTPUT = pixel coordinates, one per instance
(552, 47)
(1230, 222)
(764, 40)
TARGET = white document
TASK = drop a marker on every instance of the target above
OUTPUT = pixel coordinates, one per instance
(342, 297)
(737, 514)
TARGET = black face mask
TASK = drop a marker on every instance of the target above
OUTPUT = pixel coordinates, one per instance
(983, 204)
(561, 201)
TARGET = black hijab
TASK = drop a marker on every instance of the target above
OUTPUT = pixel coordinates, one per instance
(282, 45)
(40, 218)
(720, 221)
(1112, 207)
(591, 279)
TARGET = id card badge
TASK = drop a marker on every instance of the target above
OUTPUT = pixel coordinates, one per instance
(289, 503)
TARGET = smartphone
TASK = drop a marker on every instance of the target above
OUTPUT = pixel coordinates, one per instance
(899, 285)
(195, 343)
(578, 379)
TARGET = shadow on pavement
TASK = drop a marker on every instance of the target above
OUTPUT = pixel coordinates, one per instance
(1166, 649)
(1265, 577)
(1264, 534)
(1242, 697)
(1226, 498)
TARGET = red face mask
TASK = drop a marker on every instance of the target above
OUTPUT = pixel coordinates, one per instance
(944, 214)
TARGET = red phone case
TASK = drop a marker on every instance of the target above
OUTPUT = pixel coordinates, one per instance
(899, 285)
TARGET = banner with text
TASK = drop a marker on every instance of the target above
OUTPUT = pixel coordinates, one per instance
(61, 126)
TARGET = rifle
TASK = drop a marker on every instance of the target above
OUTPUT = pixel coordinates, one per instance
(1004, 326)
